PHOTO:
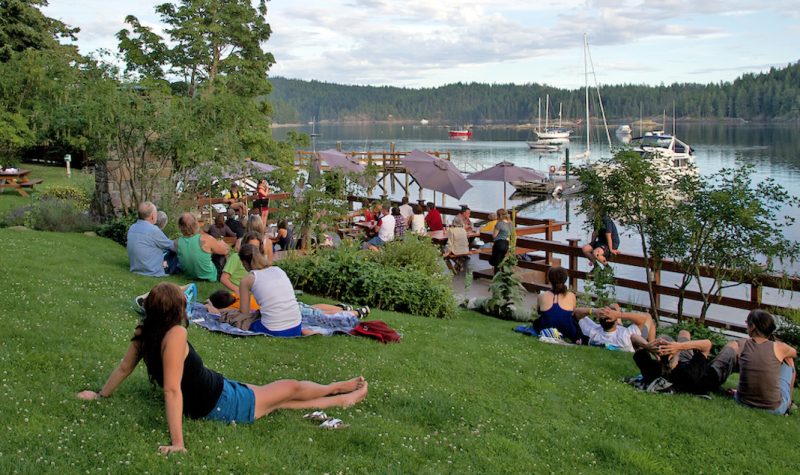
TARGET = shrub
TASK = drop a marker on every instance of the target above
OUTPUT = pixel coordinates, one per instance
(506, 290)
(58, 215)
(699, 332)
(76, 196)
(356, 277)
(412, 252)
(116, 228)
(15, 217)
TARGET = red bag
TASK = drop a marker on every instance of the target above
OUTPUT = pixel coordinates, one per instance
(378, 330)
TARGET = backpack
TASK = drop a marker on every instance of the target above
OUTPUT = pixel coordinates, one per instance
(376, 329)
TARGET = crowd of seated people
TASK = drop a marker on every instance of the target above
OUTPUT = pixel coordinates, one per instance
(766, 367)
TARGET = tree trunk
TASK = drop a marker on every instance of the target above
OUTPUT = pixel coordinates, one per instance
(649, 267)
(101, 202)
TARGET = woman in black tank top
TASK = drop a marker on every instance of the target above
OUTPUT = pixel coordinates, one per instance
(161, 340)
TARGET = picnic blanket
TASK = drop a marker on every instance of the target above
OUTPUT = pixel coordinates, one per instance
(318, 322)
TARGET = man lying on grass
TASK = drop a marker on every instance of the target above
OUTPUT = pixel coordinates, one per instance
(609, 333)
(195, 391)
(684, 363)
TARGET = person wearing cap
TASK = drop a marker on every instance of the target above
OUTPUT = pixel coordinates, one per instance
(233, 199)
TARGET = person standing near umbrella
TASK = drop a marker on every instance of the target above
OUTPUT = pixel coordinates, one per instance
(434, 218)
(262, 201)
(501, 233)
(406, 211)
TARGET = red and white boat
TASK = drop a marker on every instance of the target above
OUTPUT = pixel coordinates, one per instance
(460, 133)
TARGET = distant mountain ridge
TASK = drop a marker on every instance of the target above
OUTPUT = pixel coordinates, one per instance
(774, 95)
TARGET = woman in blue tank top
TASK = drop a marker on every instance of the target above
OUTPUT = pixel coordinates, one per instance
(195, 391)
(557, 307)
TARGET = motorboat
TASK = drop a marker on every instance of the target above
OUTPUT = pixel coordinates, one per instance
(541, 146)
(666, 151)
(460, 133)
(624, 129)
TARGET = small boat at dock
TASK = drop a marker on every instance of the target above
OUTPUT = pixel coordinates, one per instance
(460, 133)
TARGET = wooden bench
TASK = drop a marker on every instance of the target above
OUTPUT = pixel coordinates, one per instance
(455, 262)
(30, 183)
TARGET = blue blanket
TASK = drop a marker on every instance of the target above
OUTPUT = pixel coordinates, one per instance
(210, 321)
(313, 320)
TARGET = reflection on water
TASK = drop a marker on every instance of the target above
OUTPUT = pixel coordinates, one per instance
(773, 150)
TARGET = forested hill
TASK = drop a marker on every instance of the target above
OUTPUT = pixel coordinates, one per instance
(769, 96)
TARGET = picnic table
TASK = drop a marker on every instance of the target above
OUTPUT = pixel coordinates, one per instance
(17, 179)
(440, 237)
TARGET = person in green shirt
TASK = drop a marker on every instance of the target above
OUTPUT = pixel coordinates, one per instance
(200, 255)
(234, 271)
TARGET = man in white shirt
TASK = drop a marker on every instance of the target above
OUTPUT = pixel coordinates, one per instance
(406, 211)
(385, 232)
(609, 333)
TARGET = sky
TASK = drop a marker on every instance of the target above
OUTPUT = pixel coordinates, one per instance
(428, 43)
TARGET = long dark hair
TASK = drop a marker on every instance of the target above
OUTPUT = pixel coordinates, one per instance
(762, 322)
(558, 280)
(164, 308)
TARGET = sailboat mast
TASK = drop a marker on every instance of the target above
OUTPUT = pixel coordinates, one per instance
(547, 113)
(559, 115)
(586, 86)
(539, 120)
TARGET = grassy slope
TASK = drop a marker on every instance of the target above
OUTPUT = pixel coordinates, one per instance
(52, 175)
(458, 396)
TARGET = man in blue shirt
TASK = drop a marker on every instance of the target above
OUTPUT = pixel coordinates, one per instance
(605, 242)
(147, 243)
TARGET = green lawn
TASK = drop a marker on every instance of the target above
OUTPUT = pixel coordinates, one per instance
(461, 396)
(52, 175)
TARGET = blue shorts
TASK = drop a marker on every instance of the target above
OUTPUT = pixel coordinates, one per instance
(376, 241)
(785, 386)
(237, 403)
(259, 327)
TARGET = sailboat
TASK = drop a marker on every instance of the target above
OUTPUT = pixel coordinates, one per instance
(551, 134)
(559, 174)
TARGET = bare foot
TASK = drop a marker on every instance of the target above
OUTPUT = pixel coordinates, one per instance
(349, 385)
(353, 398)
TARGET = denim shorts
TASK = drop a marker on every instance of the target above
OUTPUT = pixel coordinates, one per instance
(237, 403)
(376, 241)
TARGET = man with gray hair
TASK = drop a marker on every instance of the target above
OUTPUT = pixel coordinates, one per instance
(147, 243)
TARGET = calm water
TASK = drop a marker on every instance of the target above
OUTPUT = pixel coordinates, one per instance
(773, 150)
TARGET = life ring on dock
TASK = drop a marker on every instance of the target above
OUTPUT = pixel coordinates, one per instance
(552, 168)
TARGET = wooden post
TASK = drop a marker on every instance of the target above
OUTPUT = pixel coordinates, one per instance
(338, 145)
(656, 283)
(573, 264)
(548, 236)
(756, 292)
(391, 165)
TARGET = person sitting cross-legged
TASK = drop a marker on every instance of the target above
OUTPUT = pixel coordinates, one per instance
(684, 363)
(385, 232)
(608, 331)
(193, 390)
(766, 367)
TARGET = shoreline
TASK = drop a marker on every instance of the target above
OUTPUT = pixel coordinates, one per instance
(647, 123)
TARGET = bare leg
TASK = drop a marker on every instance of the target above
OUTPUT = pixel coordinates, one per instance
(599, 255)
(292, 394)
(588, 252)
(333, 309)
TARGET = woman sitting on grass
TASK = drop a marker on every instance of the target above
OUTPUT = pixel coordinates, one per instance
(200, 255)
(766, 367)
(195, 391)
(557, 308)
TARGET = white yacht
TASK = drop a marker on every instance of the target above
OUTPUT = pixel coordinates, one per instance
(667, 151)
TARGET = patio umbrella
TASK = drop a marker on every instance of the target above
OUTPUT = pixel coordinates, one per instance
(436, 174)
(337, 159)
(506, 172)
